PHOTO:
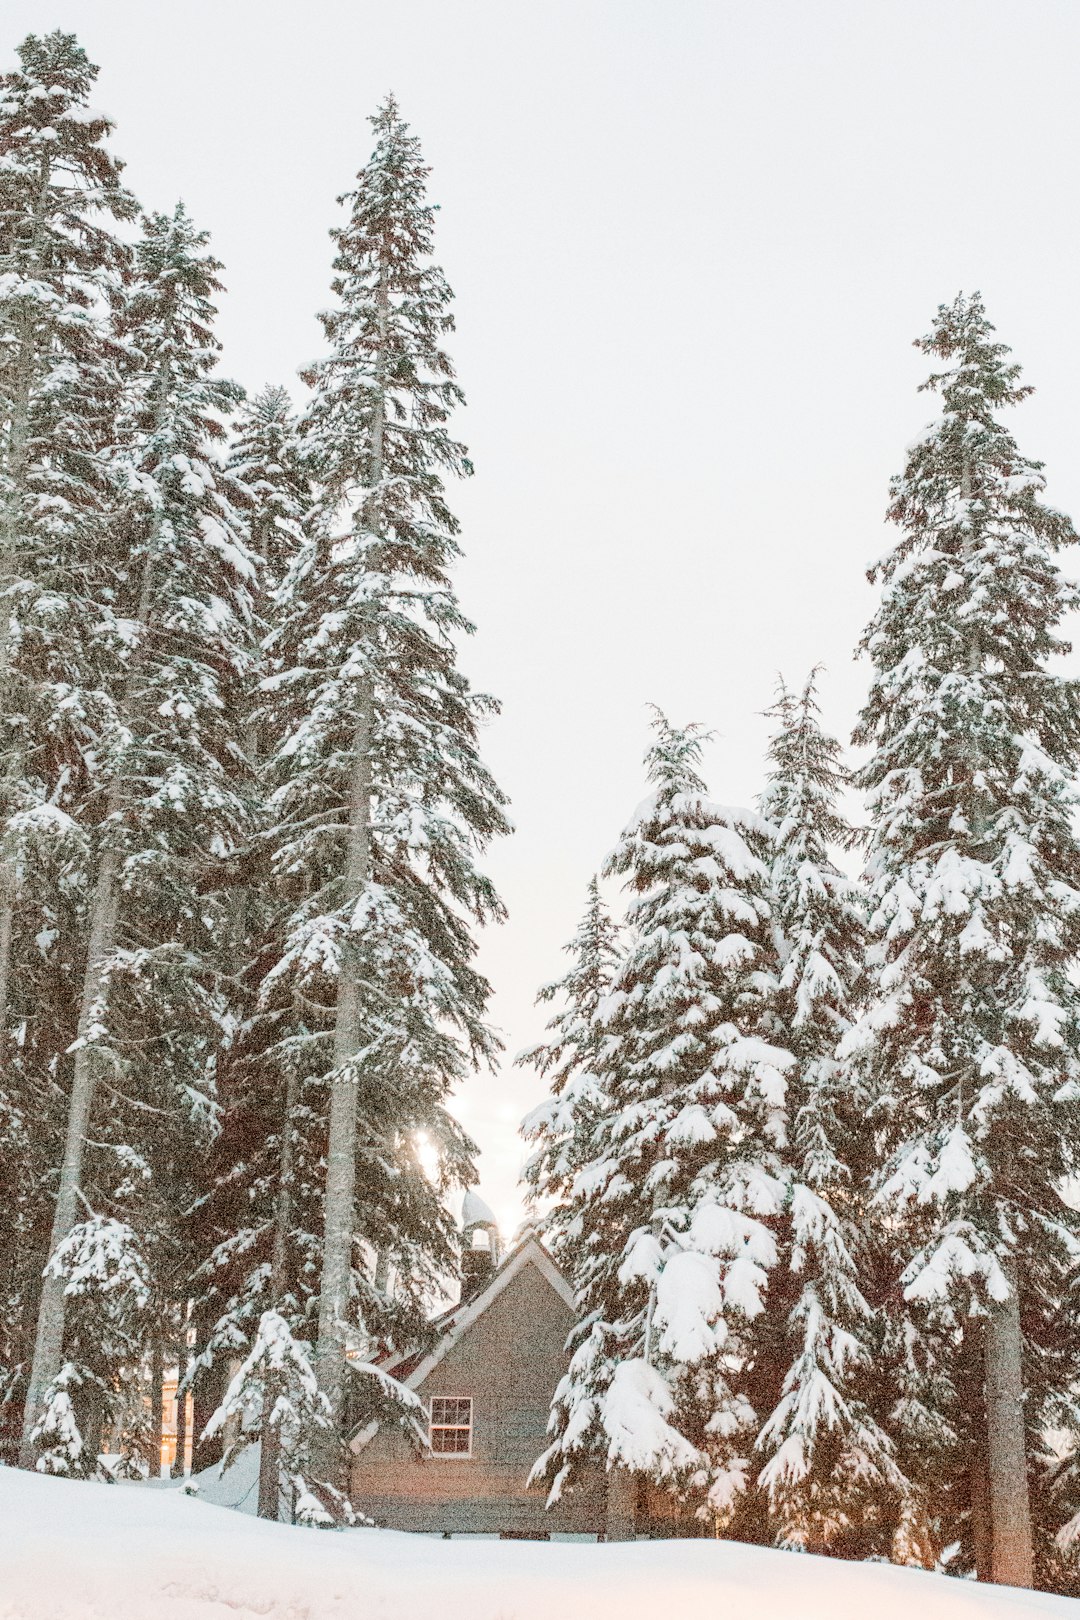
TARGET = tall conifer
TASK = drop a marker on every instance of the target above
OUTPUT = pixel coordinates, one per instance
(168, 813)
(382, 802)
(61, 267)
(829, 1461)
(971, 1040)
(563, 1127)
(677, 1210)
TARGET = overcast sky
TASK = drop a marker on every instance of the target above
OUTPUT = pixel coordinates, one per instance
(691, 243)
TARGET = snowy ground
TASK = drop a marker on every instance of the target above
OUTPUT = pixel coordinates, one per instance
(98, 1552)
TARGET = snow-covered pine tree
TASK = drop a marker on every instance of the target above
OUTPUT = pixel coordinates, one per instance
(678, 1210)
(382, 803)
(60, 269)
(267, 458)
(253, 1289)
(169, 813)
(563, 1127)
(253, 1292)
(970, 1043)
(274, 1396)
(829, 1461)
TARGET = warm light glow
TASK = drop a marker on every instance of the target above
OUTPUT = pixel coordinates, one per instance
(428, 1154)
(509, 1217)
(168, 1461)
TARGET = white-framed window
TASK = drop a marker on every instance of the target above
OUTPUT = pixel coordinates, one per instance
(451, 1425)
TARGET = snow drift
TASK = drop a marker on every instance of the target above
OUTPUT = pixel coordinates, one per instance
(74, 1551)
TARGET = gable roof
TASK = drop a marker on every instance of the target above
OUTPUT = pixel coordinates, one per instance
(528, 1253)
(411, 1369)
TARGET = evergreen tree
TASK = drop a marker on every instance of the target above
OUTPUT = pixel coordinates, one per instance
(169, 814)
(970, 1044)
(244, 1226)
(274, 1394)
(61, 266)
(677, 1211)
(381, 802)
(563, 1128)
(829, 1462)
(268, 460)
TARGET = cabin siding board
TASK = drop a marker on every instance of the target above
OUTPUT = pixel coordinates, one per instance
(508, 1361)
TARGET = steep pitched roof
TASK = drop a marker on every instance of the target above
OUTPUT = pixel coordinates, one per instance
(412, 1368)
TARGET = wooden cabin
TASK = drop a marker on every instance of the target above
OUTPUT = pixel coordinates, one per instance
(486, 1388)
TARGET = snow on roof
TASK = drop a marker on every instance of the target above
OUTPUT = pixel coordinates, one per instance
(474, 1212)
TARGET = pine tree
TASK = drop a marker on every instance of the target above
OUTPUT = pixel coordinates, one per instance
(381, 801)
(61, 265)
(245, 1224)
(971, 1041)
(563, 1128)
(677, 1211)
(252, 1288)
(829, 1462)
(274, 1394)
(169, 809)
(267, 458)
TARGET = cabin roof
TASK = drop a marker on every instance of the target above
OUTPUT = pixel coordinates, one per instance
(412, 1367)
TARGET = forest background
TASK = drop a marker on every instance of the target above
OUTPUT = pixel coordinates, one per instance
(690, 245)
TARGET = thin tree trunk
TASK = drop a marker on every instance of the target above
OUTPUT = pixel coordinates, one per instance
(270, 1452)
(8, 895)
(340, 1204)
(157, 1405)
(341, 1150)
(1010, 1510)
(230, 1429)
(181, 1408)
(207, 1393)
(971, 1388)
(183, 1393)
(982, 1530)
(1011, 1558)
(49, 1343)
(94, 1427)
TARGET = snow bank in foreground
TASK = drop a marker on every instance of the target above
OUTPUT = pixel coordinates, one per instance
(101, 1552)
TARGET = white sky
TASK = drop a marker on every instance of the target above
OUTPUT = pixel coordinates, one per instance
(691, 243)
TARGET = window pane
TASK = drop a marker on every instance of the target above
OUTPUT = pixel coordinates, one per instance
(451, 1425)
(451, 1409)
(449, 1441)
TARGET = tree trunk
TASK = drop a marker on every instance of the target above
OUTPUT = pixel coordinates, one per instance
(269, 1455)
(982, 1530)
(49, 1343)
(971, 1388)
(181, 1413)
(1010, 1512)
(270, 1450)
(341, 1150)
(231, 1428)
(157, 1405)
(94, 1426)
(340, 1205)
(207, 1393)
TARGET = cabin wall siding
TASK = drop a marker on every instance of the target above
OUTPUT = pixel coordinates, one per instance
(509, 1362)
